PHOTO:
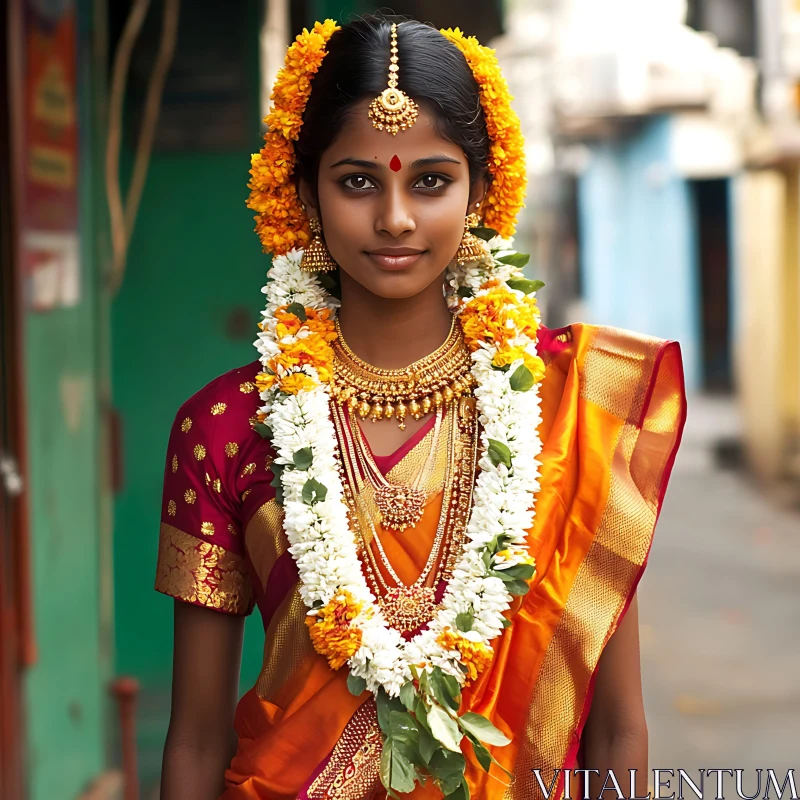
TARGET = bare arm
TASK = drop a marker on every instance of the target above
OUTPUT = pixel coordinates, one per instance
(205, 687)
(615, 735)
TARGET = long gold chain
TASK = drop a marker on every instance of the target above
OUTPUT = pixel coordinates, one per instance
(401, 506)
(415, 390)
(409, 607)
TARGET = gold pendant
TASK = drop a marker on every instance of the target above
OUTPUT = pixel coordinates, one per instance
(407, 608)
(401, 507)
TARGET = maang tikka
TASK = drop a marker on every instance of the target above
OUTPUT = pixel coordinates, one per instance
(393, 110)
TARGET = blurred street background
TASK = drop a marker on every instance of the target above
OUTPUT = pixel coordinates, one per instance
(663, 141)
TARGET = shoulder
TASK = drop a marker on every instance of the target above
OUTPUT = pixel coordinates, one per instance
(225, 403)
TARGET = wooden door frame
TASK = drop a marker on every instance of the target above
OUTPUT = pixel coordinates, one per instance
(17, 650)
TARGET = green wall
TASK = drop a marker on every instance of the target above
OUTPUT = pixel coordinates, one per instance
(186, 313)
(65, 365)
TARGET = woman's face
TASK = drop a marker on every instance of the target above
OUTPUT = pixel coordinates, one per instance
(392, 207)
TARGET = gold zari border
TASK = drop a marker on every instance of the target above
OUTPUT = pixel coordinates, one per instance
(616, 377)
(196, 571)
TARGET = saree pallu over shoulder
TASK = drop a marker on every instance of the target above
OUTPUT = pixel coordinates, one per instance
(613, 411)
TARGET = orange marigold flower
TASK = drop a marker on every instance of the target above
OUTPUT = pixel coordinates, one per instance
(475, 656)
(506, 193)
(331, 631)
(281, 223)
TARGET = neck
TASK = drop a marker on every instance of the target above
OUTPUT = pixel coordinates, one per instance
(391, 333)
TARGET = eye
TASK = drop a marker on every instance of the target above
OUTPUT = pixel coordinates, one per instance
(431, 182)
(357, 183)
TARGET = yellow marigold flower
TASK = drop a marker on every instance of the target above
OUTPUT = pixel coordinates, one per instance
(475, 656)
(264, 381)
(331, 631)
(297, 382)
(506, 192)
(536, 367)
(507, 356)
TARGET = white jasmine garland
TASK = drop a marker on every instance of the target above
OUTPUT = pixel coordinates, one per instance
(320, 540)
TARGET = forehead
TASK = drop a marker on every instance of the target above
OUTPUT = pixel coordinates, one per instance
(360, 139)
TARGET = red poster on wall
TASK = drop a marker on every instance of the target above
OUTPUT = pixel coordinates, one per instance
(50, 154)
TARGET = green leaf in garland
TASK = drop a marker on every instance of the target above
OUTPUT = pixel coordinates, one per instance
(482, 729)
(277, 472)
(421, 713)
(519, 571)
(464, 292)
(524, 286)
(481, 753)
(408, 695)
(264, 431)
(403, 772)
(518, 588)
(521, 379)
(499, 453)
(464, 621)
(451, 786)
(441, 691)
(386, 764)
(279, 496)
(515, 259)
(445, 763)
(452, 686)
(461, 792)
(314, 492)
(385, 706)
(302, 458)
(485, 233)
(298, 310)
(403, 727)
(506, 622)
(444, 728)
(504, 368)
(427, 745)
(355, 684)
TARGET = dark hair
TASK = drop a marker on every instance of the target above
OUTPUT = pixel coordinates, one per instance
(433, 71)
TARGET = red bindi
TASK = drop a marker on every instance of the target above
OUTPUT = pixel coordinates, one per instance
(395, 165)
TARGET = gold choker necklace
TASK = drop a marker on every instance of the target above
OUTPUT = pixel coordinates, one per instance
(417, 389)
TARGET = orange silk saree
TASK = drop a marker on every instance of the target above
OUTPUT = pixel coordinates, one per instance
(613, 412)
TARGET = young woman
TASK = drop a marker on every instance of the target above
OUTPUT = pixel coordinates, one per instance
(441, 509)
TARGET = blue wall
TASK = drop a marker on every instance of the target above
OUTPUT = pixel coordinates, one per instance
(639, 241)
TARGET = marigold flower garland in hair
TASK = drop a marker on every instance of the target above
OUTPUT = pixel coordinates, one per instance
(280, 221)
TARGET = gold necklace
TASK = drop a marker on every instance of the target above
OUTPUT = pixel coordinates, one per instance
(409, 607)
(426, 384)
(401, 506)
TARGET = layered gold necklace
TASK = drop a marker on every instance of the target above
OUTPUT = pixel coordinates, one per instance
(408, 607)
(415, 390)
(439, 383)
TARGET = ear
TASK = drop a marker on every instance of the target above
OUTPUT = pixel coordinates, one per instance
(476, 194)
(308, 197)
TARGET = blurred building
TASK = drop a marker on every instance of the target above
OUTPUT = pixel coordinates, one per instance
(673, 125)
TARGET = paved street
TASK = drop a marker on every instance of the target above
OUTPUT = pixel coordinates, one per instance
(720, 615)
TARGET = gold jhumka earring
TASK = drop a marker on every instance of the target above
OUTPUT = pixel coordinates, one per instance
(317, 257)
(471, 247)
(393, 110)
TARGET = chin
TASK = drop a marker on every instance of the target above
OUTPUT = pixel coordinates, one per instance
(399, 285)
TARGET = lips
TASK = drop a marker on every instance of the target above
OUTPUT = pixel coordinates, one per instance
(394, 259)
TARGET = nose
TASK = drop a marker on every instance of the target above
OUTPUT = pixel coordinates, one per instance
(395, 216)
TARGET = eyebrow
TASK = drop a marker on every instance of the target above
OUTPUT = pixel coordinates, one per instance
(429, 161)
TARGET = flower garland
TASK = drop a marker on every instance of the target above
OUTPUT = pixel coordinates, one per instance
(280, 221)
(500, 319)
(507, 152)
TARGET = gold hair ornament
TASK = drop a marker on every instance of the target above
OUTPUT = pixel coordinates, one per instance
(393, 110)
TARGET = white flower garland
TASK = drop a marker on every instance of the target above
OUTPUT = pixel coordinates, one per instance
(316, 525)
